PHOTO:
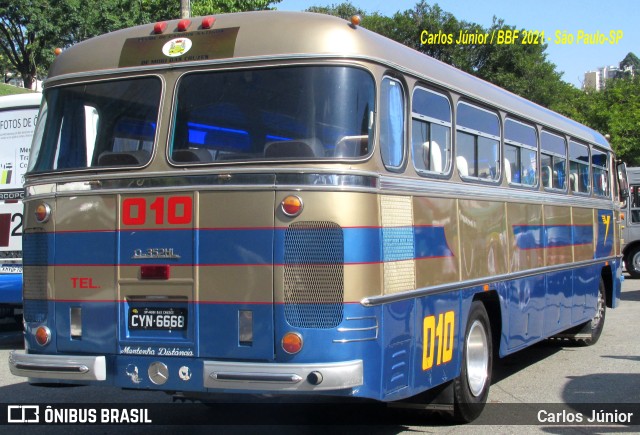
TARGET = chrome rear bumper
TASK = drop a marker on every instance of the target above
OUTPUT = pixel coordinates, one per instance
(66, 367)
(283, 377)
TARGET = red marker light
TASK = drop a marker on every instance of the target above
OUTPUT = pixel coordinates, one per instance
(43, 335)
(207, 22)
(160, 27)
(183, 25)
(154, 272)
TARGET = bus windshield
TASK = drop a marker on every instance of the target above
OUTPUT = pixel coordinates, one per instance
(119, 119)
(288, 113)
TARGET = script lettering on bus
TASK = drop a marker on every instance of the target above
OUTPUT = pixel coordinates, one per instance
(440, 329)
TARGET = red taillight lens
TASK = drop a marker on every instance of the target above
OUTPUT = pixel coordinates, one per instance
(43, 335)
(154, 272)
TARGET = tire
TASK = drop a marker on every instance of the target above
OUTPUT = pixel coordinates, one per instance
(591, 331)
(471, 388)
(632, 262)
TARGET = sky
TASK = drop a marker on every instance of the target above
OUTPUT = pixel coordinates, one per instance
(549, 16)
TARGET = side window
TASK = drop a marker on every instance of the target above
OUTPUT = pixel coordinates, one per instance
(579, 168)
(477, 143)
(431, 131)
(553, 161)
(392, 123)
(600, 170)
(634, 203)
(520, 153)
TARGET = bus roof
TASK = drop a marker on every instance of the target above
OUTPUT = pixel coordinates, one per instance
(264, 35)
(20, 100)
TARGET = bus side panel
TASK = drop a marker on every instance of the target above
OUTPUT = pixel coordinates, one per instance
(585, 292)
(440, 326)
(483, 238)
(525, 301)
(558, 305)
(436, 241)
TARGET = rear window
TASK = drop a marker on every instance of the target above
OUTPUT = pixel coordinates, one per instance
(289, 113)
(103, 124)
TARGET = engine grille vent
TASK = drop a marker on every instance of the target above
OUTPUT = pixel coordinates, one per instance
(314, 274)
(34, 279)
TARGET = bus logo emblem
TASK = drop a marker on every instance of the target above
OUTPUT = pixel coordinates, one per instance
(606, 220)
(176, 47)
(168, 253)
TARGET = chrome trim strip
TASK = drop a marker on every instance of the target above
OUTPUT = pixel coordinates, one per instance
(66, 367)
(257, 377)
(277, 377)
(428, 291)
(219, 180)
(487, 192)
(361, 329)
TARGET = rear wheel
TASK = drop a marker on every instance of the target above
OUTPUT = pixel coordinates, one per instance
(592, 330)
(471, 388)
(632, 262)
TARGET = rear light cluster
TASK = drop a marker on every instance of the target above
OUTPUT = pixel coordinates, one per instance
(184, 25)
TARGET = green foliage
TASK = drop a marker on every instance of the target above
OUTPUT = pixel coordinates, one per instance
(206, 7)
(31, 29)
(11, 90)
(521, 69)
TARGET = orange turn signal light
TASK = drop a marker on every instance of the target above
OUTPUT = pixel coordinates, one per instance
(292, 342)
(43, 212)
(43, 335)
(292, 205)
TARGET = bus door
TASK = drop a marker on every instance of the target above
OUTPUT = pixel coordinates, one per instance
(196, 273)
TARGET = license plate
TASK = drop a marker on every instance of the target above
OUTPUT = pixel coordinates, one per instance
(10, 269)
(158, 318)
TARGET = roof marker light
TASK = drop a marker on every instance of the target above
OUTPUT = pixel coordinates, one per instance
(355, 20)
(160, 27)
(183, 25)
(207, 22)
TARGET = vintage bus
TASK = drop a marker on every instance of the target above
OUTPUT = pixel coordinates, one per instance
(631, 225)
(18, 117)
(287, 203)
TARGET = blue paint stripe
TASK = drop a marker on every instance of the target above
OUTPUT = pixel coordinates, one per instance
(259, 246)
(552, 236)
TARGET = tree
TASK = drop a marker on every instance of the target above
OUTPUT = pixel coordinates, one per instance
(31, 29)
(630, 65)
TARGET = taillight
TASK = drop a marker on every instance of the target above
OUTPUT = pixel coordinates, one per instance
(292, 205)
(43, 212)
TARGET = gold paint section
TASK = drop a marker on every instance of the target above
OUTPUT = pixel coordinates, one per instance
(439, 212)
(398, 240)
(483, 239)
(557, 216)
(583, 217)
(524, 215)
